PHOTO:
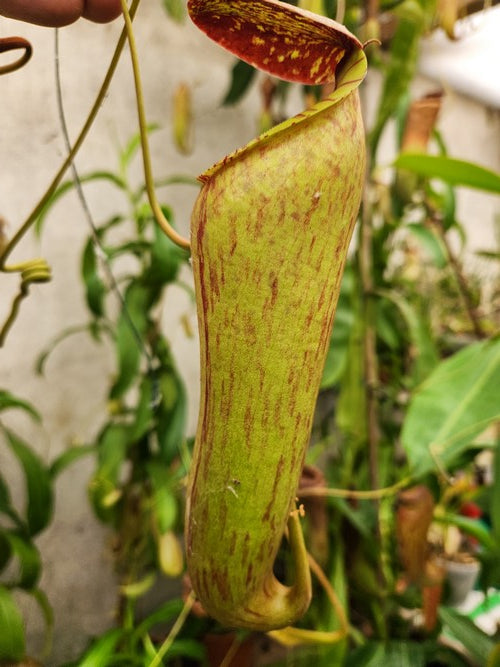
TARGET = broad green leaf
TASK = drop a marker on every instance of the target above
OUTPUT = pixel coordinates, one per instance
(9, 401)
(38, 484)
(454, 405)
(12, 639)
(95, 289)
(477, 643)
(454, 172)
(242, 75)
(28, 558)
(102, 650)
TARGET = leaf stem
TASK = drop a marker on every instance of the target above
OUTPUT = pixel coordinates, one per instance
(146, 155)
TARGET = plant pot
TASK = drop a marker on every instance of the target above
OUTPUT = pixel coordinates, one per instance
(461, 577)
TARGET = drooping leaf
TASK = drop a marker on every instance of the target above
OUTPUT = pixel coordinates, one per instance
(132, 146)
(112, 451)
(425, 355)
(95, 289)
(48, 615)
(454, 405)
(101, 651)
(430, 242)
(28, 559)
(129, 331)
(164, 503)
(477, 643)
(12, 639)
(9, 401)
(67, 186)
(39, 493)
(242, 75)
(68, 457)
(450, 170)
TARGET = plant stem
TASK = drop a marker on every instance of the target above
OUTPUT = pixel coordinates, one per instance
(462, 284)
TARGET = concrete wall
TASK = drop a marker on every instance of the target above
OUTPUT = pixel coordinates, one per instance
(71, 396)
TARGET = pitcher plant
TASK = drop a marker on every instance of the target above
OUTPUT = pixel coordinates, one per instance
(270, 233)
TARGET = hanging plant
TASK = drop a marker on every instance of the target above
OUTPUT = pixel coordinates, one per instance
(269, 238)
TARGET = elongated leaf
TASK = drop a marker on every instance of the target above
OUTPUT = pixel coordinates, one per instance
(68, 457)
(425, 352)
(12, 640)
(9, 401)
(130, 329)
(48, 615)
(95, 289)
(242, 75)
(102, 650)
(133, 145)
(495, 495)
(477, 643)
(453, 406)
(455, 172)
(28, 558)
(164, 502)
(38, 485)
(430, 242)
(112, 451)
(67, 186)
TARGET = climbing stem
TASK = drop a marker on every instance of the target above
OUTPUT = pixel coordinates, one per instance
(146, 155)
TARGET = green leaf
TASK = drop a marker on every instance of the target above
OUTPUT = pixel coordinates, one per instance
(133, 145)
(175, 9)
(495, 496)
(112, 452)
(166, 257)
(390, 654)
(430, 242)
(336, 358)
(68, 457)
(95, 289)
(12, 639)
(48, 615)
(38, 485)
(164, 614)
(242, 75)
(454, 172)
(130, 329)
(93, 328)
(171, 414)
(67, 186)
(102, 650)
(9, 401)
(425, 355)
(28, 556)
(477, 643)
(164, 503)
(453, 406)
